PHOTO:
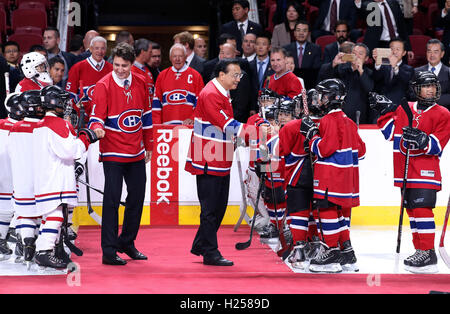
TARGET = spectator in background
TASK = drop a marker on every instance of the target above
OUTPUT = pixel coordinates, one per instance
(11, 52)
(248, 47)
(86, 44)
(200, 48)
(392, 80)
(260, 66)
(240, 25)
(444, 22)
(435, 53)
(155, 61)
(341, 32)
(123, 36)
(4, 67)
(330, 11)
(51, 40)
(283, 82)
(76, 45)
(283, 33)
(40, 49)
(192, 60)
(56, 70)
(307, 56)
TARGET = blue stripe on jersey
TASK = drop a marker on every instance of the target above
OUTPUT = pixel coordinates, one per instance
(147, 119)
(388, 129)
(341, 158)
(435, 148)
(190, 99)
(208, 131)
(156, 104)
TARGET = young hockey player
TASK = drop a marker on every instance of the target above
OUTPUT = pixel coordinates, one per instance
(15, 114)
(425, 140)
(338, 147)
(20, 153)
(299, 184)
(35, 68)
(55, 149)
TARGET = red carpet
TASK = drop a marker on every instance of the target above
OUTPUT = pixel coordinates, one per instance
(171, 269)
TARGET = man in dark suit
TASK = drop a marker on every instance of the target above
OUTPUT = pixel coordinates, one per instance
(392, 80)
(384, 22)
(307, 56)
(330, 11)
(357, 79)
(435, 53)
(444, 22)
(188, 41)
(331, 50)
(241, 25)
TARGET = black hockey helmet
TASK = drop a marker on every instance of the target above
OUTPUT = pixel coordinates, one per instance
(31, 102)
(53, 97)
(423, 79)
(270, 112)
(287, 106)
(314, 108)
(15, 110)
(331, 94)
(267, 97)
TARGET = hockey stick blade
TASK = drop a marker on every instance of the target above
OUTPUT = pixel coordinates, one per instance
(72, 247)
(243, 207)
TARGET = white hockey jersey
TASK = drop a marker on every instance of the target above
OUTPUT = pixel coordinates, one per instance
(55, 149)
(6, 184)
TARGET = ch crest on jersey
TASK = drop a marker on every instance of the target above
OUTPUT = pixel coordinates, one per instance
(177, 96)
(89, 91)
(130, 121)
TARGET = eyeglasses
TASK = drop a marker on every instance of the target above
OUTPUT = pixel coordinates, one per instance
(237, 75)
(11, 51)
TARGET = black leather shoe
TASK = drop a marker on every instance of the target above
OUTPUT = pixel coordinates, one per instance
(115, 260)
(197, 252)
(220, 261)
(133, 253)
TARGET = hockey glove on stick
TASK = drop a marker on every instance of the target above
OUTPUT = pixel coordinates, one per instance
(79, 169)
(308, 129)
(417, 138)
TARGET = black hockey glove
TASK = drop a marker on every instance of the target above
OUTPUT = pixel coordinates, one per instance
(381, 103)
(416, 137)
(88, 134)
(79, 169)
(308, 129)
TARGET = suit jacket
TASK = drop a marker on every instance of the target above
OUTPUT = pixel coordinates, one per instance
(233, 29)
(254, 72)
(394, 87)
(444, 80)
(373, 33)
(311, 62)
(197, 63)
(330, 51)
(347, 11)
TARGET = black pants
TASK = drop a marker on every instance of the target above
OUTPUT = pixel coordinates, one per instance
(135, 177)
(212, 193)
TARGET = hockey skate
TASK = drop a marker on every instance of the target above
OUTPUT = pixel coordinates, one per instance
(422, 262)
(5, 251)
(327, 261)
(28, 251)
(48, 259)
(297, 258)
(18, 250)
(348, 261)
(314, 248)
(12, 235)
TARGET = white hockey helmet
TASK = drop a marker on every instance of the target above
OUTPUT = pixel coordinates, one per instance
(30, 67)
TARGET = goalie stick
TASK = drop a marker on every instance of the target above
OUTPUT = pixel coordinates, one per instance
(243, 206)
(409, 114)
(442, 250)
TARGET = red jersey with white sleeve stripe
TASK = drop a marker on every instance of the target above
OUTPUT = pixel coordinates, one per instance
(125, 115)
(424, 170)
(145, 72)
(29, 84)
(287, 84)
(338, 148)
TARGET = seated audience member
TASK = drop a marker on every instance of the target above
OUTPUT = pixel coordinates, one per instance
(341, 32)
(435, 53)
(283, 33)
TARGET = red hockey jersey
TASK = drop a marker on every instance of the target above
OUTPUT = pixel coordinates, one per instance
(84, 75)
(126, 117)
(292, 148)
(29, 84)
(287, 84)
(145, 72)
(176, 94)
(211, 149)
(338, 148)
(424, 171)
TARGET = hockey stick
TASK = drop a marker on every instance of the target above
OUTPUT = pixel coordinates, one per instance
(7, 86)
(243, 207)
(96, 190)
(410, 116)
(72, 247)
(442, 250)
(244, 245)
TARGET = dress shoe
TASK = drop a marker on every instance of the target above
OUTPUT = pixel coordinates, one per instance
(197, 252)
(220, 261)
(133, 253)
(115, 260)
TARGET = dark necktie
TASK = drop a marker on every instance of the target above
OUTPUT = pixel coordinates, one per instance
(389, 21)
(333, 16)
(126, 85)
(98, 66)
(241, 30)
(260, 73)
(300, 56)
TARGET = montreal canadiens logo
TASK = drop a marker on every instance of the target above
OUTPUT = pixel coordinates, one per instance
(130, 121)
(403, 147)
(89, 91)
(177, 96)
